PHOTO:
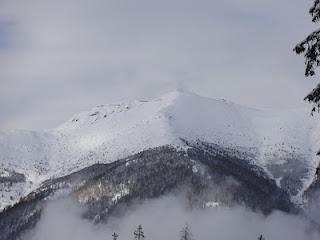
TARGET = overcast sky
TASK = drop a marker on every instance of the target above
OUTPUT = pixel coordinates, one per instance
(64, 56)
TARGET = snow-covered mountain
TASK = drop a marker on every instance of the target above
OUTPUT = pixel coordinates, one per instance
(283, 144)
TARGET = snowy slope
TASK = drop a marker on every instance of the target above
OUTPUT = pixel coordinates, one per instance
(283, 143)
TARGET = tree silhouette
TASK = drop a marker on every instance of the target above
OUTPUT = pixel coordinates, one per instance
(115, 236)
(186, 233)
(310, 47)
(138, 233)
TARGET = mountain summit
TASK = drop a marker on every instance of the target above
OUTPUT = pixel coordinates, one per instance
(282, 144)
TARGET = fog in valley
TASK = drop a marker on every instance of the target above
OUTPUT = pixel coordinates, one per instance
(164, 218)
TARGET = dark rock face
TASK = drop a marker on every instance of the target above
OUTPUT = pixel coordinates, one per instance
(12, 177)
(204, 172)
(10, 180)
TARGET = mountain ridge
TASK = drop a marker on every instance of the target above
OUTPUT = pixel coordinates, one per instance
(281, 143)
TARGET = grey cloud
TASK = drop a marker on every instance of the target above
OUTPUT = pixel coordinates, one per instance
(66, 56)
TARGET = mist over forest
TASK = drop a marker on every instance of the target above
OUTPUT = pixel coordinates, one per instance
(164, 218)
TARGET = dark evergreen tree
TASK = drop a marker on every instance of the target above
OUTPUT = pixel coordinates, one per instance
(186, 233)
(115, 236)
(138, 233)
(310, 47)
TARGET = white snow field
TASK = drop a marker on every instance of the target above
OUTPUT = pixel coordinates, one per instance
(282, 143)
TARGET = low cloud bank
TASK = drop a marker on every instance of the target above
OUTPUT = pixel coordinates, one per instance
(165, 217)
